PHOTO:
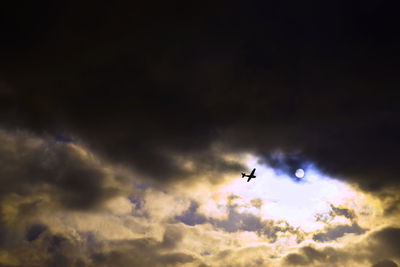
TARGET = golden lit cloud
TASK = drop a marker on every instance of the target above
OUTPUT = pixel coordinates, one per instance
(273, 220)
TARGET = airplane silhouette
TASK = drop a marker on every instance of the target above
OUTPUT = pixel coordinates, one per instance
(251, 175)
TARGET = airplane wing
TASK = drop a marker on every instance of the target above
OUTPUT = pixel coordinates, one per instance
(252, 173)
(248, 180)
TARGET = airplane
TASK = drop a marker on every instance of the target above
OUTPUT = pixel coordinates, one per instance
(251, 175)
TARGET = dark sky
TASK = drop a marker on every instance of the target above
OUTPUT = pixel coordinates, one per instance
(141, 83)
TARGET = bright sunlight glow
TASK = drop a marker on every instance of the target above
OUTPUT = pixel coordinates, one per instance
(283, 198)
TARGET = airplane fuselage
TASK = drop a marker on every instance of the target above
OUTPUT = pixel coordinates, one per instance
(251, 175)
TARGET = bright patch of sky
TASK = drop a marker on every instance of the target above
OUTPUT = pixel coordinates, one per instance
(284, 198)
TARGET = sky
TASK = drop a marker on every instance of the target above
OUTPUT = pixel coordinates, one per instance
(125, 127)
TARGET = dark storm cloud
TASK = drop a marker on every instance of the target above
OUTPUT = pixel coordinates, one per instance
(156, 86)
(139, 252)
(30, 165)
(385, 263)
(48, 249)
(84, 249)
(40, 175)
(389, 238)
(143, 83)
(34, 231)
(140, 258)
(391, 202)
(393, 208)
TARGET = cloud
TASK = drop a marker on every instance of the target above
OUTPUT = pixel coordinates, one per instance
(391, 201)
(141, 252)
(338, 211)
(296, 259)
(70, 175)
(374, 249)
(191, 216)
(335, 232)
(254, 256)
(146, 225)
(62, 250)
(34, 232)
(385, 263)
(387, 241)
(172, 236)
(309, 256)
(236, 221)
(167, 94)
(137, 98)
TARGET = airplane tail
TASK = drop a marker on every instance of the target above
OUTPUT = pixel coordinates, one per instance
(243, 174)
